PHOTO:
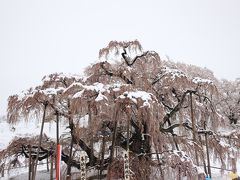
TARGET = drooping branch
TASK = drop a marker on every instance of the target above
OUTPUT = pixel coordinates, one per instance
(186, 125)
(176, 108)
(127, 59)
(115, 74)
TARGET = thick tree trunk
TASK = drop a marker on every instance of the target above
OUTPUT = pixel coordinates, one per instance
(69, 161)
(114, 134)
(33, 165)
(91, 140)
(173, 135)
(40, 140)
(70, 120)
(103, 153)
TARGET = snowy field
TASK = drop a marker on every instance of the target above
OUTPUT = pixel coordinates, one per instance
(22, 175)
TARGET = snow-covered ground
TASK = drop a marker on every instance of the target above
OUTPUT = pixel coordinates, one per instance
(22, 174)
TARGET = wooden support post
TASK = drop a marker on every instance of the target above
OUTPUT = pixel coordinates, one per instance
(40, 140)
(194, 130)
(30, 163)
(51, 167)
(48, 163)
(58, 154)
(207, 149)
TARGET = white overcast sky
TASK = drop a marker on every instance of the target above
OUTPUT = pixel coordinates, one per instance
(42, 37)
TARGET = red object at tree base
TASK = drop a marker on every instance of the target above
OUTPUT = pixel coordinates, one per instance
(58, 162)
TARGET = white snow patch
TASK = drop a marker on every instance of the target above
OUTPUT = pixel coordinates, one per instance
(78, 94)
(83, 122)
(52, 91)
(198, 80)
(101, 97)
(175, 73)
(146, 97)
(114, 54)
(224, 144)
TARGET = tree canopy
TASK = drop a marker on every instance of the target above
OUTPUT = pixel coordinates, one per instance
(164, 114)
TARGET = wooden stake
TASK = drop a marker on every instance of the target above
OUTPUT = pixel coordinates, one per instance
(51, 167)
(194, 130)
(40, 140)
(58, 158)
(208, 158)
(30, 163)
(47, 163)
